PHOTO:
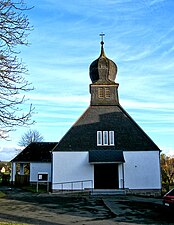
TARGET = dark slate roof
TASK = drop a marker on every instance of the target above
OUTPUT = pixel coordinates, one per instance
(107, 156)
(128, 135)
(36, 152)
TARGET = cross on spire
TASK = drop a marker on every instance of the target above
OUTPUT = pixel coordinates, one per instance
(102, 35)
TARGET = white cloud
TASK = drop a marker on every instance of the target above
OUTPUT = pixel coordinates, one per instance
(79, 100)
(7, 153)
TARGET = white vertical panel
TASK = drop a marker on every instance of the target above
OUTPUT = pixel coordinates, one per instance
(71, 167)
(142, 170)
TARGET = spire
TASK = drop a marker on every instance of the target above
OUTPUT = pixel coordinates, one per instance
(102, 44)
(102, 35)
(103, 70)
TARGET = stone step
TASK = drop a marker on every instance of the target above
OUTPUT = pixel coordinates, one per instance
(108, 192)
(72, 193)
(92, 192)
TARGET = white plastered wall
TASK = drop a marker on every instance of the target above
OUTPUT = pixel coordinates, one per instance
(72, 167)
(36, 168)
(142, 170)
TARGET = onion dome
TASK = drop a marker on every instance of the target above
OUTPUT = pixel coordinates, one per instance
(103, 70)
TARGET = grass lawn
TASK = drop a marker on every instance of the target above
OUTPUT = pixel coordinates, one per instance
(2, 194)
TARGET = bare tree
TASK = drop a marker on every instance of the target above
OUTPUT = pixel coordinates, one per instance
(30, 137)
(14, 29)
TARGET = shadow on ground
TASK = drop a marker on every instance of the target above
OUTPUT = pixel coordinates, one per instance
(36, 208)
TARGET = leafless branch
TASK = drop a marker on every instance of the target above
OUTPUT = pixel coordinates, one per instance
(14, 30)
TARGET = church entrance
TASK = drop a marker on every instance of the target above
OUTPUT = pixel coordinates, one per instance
(106, 176)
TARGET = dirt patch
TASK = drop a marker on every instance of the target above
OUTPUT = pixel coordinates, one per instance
(32, 208)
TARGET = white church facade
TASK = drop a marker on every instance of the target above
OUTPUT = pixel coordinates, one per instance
(139, 174)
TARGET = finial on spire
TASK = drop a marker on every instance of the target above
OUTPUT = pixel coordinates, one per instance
(102, 35)
(102, 43)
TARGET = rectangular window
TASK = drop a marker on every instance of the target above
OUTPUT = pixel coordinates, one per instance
(105, 137)
(99, 138)
(111, 138)
(107, 93)
(100, 93)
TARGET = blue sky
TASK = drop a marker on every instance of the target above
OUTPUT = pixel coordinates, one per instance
(139, 38)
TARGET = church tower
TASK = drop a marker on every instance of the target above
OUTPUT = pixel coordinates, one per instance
(105, 125)
(104, 90)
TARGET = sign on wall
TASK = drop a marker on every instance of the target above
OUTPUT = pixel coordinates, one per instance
(42, 176)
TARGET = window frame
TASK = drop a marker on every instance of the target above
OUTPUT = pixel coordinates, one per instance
(111, 138)
(99, 138)
(101, 93)
(107, 92)
(105, 138)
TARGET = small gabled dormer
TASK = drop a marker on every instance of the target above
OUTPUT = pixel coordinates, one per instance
(103, 73)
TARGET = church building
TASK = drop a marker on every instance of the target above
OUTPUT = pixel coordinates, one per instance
(106, 148)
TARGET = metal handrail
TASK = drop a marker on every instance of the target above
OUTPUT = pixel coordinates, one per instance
(74, 182)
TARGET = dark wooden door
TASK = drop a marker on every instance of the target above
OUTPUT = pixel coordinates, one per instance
(106, 176)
